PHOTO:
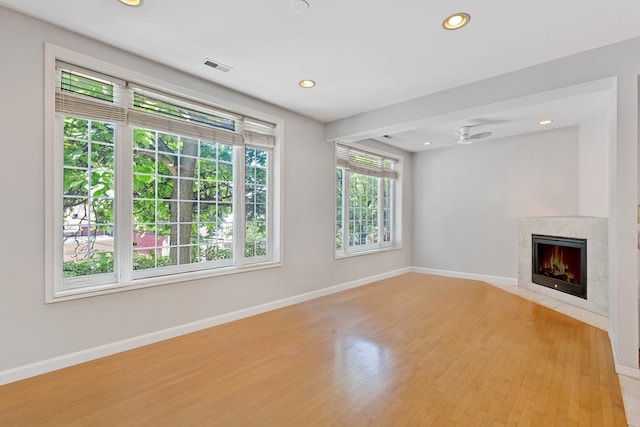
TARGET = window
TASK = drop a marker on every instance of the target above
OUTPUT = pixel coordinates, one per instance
(148, 186)
(365, 201)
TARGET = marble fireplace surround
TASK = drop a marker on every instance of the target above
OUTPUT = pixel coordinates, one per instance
(595, 230)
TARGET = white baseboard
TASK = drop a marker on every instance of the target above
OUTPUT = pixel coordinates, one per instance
(49, 365)
(495, 280)
(511, 285)
(627, 371)
(622, 369)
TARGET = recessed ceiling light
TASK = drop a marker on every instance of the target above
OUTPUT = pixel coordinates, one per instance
(307, 83)
(456, 21)
(300, 5)
(132, 2)
(545, 122)
(426, 143)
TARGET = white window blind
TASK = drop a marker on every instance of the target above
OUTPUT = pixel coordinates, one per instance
(88, 94)
(365, 163)
(258, 133)
(91, 95)
(154, 110)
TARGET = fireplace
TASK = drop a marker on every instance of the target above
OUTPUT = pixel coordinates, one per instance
(560, 263)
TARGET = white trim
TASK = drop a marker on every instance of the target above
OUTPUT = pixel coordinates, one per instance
(493, 280)
(505, 283)
(66, 360)
(55, 287)
(511, 285)
(629, 379)
(341, 255)
(627, 371)
(396, 211)
(50, 229)
(91, 291)
(630, 386)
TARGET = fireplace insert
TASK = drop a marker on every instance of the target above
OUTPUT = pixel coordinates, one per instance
(560, 263)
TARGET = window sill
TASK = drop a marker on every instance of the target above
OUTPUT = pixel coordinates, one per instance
(366, 252)
(92, 291)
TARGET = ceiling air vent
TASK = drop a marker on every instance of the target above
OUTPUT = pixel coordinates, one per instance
(217, 65)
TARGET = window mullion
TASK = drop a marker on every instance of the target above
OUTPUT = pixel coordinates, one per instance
(380, 212)
(55, 215)
(392, 212)
(346, 177)
(239, 170)
(124, 204)
(270, 208)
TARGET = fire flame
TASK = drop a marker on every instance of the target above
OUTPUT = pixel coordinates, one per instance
(556, 266)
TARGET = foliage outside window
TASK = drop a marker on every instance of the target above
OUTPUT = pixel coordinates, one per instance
(153, 185)
(365, 201)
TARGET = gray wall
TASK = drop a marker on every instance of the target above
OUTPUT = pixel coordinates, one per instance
(468, 198)
(594, 166)
(31, 331)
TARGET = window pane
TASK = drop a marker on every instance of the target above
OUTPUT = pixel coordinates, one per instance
(88, 195)
(87, 86)
(152, 105)
(178, 194)
(76, 147)
(339, 208)
(225, 172)
(208, 169)
(151, 258)
(208, 190)
(387, 210)
(225, 153)
(103, 132)
(256, 196)
(363, 209)
(144, 139)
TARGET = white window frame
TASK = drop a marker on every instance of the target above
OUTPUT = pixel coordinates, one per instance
(396, 209)
(56, 288)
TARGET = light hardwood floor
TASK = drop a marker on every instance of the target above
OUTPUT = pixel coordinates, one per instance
(414, 350)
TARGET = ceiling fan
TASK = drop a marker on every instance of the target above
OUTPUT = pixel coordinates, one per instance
(466, 138)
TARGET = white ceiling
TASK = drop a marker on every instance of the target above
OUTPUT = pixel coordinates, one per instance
(515, 117)
(363, 54)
